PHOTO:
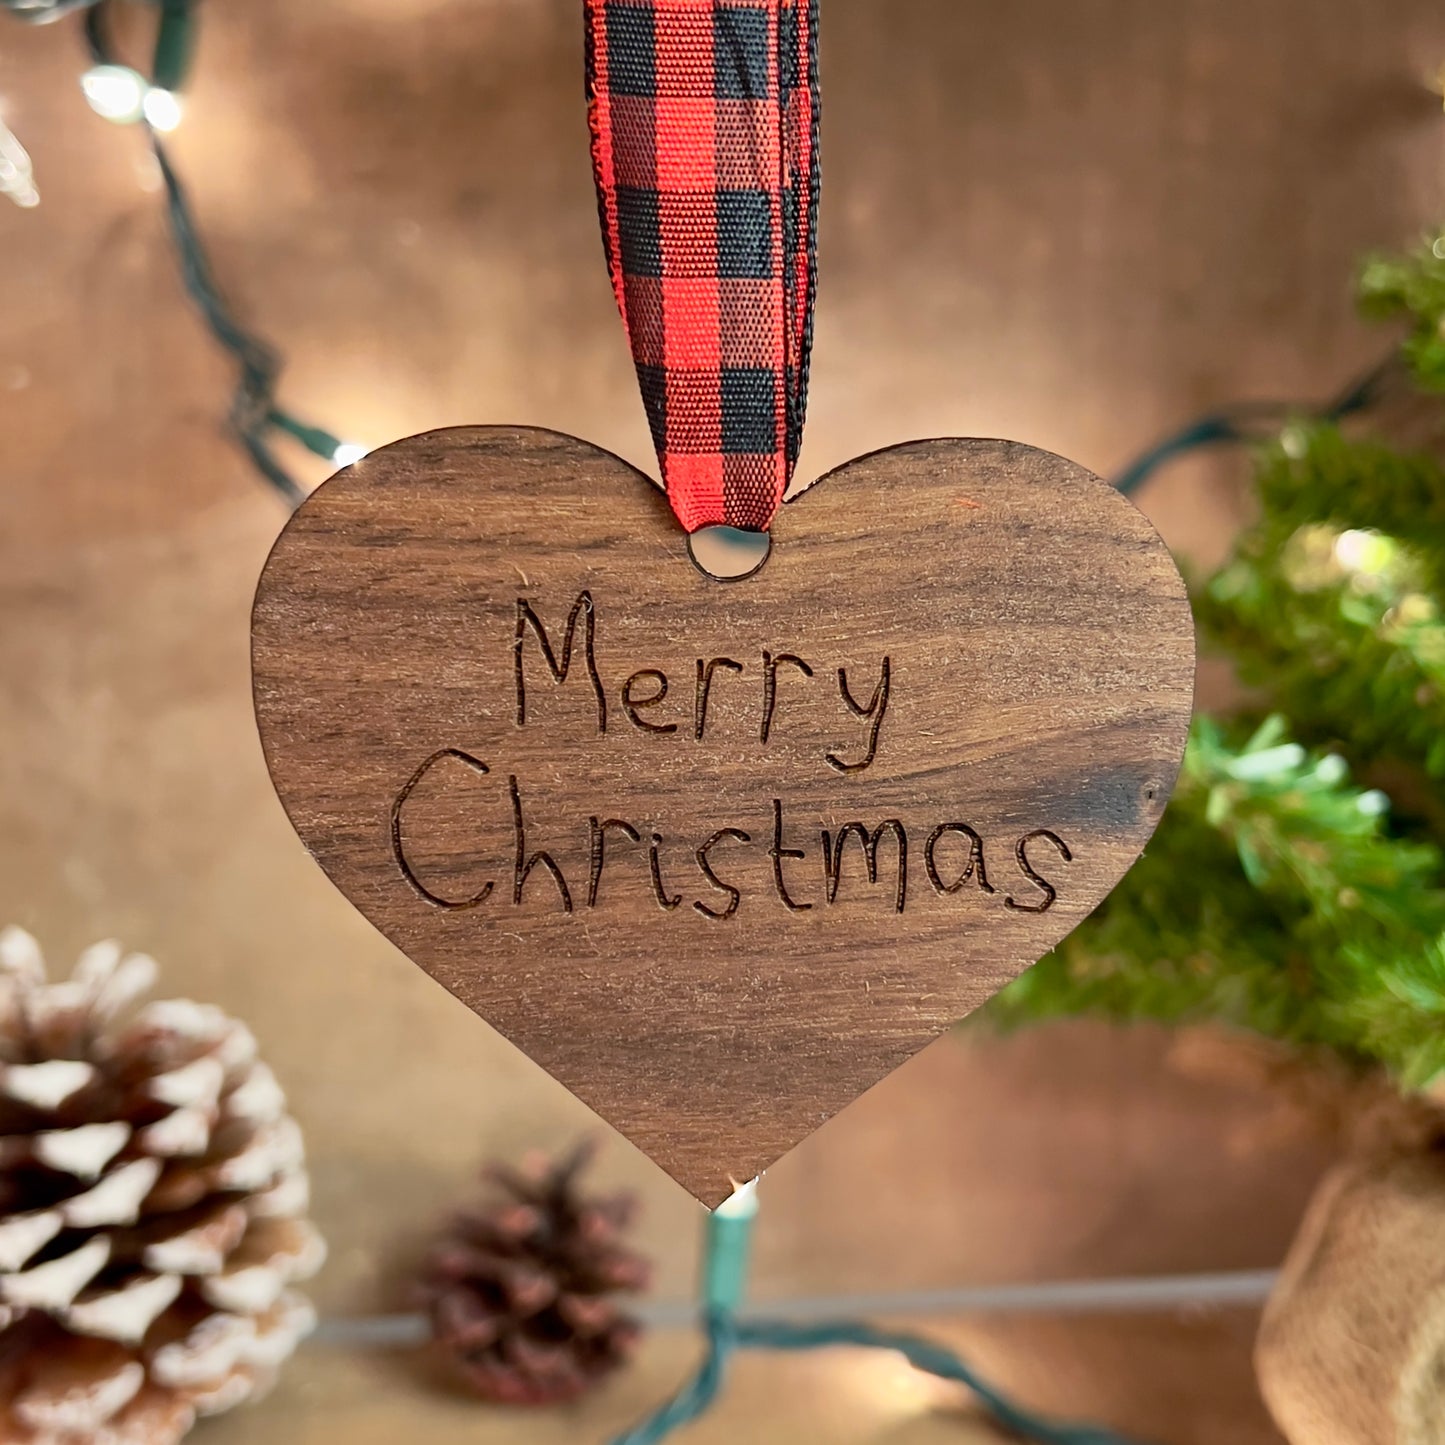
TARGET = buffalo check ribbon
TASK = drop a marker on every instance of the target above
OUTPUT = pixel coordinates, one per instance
(704, 119)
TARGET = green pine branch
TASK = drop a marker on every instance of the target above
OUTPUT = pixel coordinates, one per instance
(1273, 897)
(1412, 286)
(1279, 895)
(1331, 603)
(1317, 474)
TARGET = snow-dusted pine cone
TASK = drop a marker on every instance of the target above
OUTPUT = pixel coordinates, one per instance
(522, 1292)
(152, 1188)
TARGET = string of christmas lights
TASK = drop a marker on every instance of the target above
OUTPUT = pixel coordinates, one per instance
(725, 1265)
(124, 95)
(1249, 422)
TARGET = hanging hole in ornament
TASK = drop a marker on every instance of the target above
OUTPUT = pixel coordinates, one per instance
(728, 554)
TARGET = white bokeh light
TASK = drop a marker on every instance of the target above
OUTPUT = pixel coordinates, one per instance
(115, 91)
(162, 109)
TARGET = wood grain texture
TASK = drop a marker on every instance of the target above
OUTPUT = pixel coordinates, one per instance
(972, 647)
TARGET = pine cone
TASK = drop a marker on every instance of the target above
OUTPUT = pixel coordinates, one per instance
(151, 1188)
(519, 1292)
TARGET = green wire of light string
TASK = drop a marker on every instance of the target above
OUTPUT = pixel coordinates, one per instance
(255, 412)
(727, 1245)
(1250, 422)
(175, 41)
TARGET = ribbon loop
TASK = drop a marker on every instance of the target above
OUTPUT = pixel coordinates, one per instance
(704, 117)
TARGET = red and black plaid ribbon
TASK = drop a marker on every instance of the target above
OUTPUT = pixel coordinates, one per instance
(704, 118)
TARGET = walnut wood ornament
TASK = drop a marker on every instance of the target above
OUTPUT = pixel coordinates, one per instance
(719, 855)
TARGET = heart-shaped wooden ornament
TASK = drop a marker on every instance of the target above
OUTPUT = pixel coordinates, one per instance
(716, 855)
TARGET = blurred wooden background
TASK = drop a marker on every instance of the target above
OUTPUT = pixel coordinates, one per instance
(1073, 222)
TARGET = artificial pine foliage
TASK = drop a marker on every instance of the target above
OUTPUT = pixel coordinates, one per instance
(1332, 603)
(1412, 286)
(522, 1291)
(1296, 886)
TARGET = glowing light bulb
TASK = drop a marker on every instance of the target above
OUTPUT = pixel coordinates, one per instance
(1364, 552)
(1294, 441)
(16, 177)
(347, 453)
(162, 108)
(884, 1386)
(742, 1203)
(116, 92)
